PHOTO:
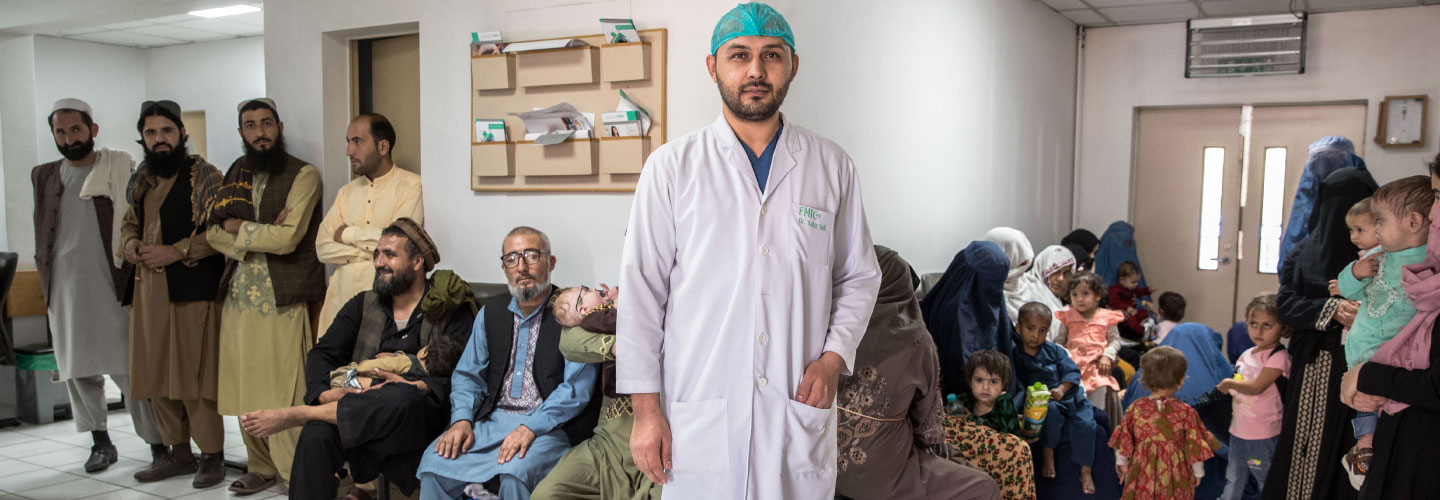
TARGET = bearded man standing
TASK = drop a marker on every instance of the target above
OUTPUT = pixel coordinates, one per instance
(175, 320)
(79, 202)
(265, 221)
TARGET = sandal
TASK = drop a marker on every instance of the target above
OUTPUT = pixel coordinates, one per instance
(1357, 465)
(251, 483)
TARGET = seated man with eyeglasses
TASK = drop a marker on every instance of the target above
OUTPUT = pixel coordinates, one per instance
(384, 428)
(516, 403)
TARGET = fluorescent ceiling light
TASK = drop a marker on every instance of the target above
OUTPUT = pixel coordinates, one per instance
(225, 11)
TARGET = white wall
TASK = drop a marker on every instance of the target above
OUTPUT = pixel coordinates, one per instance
(17, 109)
(213, 77)
(988, 86)
(1361, 55)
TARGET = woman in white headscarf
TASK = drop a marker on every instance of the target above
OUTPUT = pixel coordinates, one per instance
(1025, 282)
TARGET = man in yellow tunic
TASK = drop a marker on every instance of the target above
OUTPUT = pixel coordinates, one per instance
(175, 319)
(380, 194)
(268, 215)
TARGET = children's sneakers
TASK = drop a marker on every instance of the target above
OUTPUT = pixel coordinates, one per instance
(1357, 465)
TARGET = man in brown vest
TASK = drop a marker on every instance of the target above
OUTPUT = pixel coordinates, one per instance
(79, 201)
(175, 320)
(265, 221)
(386, 428)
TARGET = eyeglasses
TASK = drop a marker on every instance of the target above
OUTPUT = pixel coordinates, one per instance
(583, 290)
(167, 105)
(512, 259)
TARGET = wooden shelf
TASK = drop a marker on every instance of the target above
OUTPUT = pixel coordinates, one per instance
(588, 77)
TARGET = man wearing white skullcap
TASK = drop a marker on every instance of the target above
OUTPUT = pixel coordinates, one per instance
(79, 204)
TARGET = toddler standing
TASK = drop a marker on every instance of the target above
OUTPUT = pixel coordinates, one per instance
(1160, 445)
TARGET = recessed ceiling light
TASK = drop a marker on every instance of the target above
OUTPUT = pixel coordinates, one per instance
(225, 11)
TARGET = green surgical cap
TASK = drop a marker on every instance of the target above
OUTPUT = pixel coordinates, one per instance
(751, 19)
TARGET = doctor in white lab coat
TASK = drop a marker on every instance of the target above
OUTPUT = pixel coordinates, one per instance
(747, 287)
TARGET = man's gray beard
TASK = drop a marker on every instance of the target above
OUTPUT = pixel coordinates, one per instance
(529, 293)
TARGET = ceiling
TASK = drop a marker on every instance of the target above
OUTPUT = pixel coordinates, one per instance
(168, 30)
(1097, 13)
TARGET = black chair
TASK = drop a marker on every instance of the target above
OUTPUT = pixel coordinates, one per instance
(8, 262)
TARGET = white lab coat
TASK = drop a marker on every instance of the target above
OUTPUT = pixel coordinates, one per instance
(729, 293)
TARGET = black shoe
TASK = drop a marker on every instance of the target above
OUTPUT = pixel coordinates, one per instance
(101, 457)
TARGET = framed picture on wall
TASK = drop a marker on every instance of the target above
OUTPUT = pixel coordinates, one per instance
(1402, 121)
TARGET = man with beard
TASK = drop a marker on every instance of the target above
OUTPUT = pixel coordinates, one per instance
(379, 194)
(175, 324)
(516, 404)
(735, 328)
(385, 428)
(266, 220)
(80, 201)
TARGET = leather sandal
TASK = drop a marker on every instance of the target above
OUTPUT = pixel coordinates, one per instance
(251, 483)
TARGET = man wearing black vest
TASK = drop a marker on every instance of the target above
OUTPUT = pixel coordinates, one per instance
(265, 221)
(175, 319)
(516, 404)
(383, 429)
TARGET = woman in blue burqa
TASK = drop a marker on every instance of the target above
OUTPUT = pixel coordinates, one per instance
(1327, 154)
(965, 312)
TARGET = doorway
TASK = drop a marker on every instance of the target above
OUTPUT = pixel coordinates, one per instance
(386, 74)
(1213, 189)
(194, 122)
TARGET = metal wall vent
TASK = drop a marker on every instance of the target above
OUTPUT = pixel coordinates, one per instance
(1246, 46)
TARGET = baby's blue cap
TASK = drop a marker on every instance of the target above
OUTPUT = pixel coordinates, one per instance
(751, 19)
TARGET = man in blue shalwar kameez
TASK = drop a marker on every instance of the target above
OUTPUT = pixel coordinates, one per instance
(516, 404)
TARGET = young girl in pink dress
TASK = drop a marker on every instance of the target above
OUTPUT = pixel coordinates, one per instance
(1092, 336)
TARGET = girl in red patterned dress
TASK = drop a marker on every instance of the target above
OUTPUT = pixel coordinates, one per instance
(1161, 446)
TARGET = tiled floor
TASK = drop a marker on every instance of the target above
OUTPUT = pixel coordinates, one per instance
(46, 462)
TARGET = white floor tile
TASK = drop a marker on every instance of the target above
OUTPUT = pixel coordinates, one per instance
(10, 437)
(30, 448)
(79, 488)
(121, 473)
(124, 494)
(35, 479)
(59, 458)
(56, 429)
(223, 493)
(76, 439)
(10, 467)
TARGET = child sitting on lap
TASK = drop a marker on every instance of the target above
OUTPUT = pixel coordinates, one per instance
(1037, 360)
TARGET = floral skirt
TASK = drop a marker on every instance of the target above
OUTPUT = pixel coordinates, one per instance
(1005, 457)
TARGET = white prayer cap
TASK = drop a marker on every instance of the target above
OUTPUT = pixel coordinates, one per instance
(263, 100)
(71, 103)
